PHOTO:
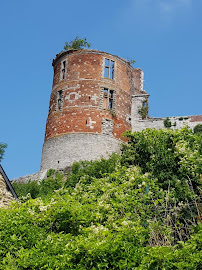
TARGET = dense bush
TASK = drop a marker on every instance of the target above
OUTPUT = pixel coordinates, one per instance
(42, 188)
(91, 169)
(173, 157)
(115, 214)
(198, 128)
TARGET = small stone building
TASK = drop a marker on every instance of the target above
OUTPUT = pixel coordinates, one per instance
(7, 192)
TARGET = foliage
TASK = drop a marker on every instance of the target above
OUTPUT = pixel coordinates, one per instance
(167, 123)
(131, 61)
(77, 44)
(144, 109)
(110, 223)
(198, 128)
(37, 189)
(91, 169)
(2, 150)
(134, 211)
(172, 156)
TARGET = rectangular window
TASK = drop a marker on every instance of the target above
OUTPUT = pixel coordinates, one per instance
(108, 99)
(63, 70)
(59, 101)
(109, 69)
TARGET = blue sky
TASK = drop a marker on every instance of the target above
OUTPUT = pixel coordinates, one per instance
(163, 36)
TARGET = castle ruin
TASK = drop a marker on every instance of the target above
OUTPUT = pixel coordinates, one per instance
(96, 96)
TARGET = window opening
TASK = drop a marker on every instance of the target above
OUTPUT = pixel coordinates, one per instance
(59, 102)
(109, 69)
(112, 70)
(63, 70)
(108, 99)
(111, 93)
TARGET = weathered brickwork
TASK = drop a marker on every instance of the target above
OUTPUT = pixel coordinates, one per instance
(82, 91)
(86, 101)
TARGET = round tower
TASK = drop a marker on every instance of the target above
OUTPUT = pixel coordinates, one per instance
(90, 106)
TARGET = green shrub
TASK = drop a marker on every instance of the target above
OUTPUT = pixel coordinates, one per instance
(114, 222)
(137, 211)
(172, 156)
(31, 187)
(42, 188)
(77, 44)
(198, 128)
(167, 123)
(91, 169)
(144, 109)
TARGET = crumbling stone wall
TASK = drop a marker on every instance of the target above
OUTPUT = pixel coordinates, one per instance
(5, 196)
(31, 177)
(158, 122)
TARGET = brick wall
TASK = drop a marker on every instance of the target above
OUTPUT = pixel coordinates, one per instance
(79, 101)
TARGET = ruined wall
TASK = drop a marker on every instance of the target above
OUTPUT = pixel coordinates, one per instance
(31, 177)
(5, 196)
(138, 123)
(84, 101)
(158, 123)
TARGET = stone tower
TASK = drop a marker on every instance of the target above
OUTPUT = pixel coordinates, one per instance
(90, 106)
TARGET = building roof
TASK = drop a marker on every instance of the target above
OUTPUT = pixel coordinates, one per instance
(8, 183)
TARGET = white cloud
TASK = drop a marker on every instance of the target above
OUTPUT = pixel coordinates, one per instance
(166, 6)
(169, 6)
(160, 12)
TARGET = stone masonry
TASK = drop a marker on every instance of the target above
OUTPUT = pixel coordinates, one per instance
(5, 196)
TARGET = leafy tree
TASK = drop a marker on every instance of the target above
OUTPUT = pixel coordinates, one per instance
(77, 44)
(2, 150)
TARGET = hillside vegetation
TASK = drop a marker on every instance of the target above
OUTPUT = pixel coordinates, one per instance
(139, 210)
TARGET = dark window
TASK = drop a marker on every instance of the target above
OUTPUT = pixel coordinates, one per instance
(109, 69)
(63, 70)
(59, 101)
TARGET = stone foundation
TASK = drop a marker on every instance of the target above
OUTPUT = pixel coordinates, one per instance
(60, 152)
